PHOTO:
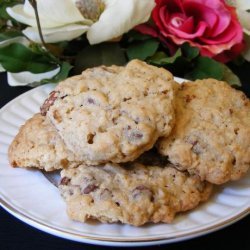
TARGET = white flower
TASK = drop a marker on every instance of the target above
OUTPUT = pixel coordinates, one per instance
(246, 52)
(243, 13)
(242, 9)
(61, 20)
(25, 77)
(118, 18)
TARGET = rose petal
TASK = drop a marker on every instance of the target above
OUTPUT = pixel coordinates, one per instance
(201, 12)
(200, 30)
(52, 35)
(164, 17)
(173, 6)
(231, 35)
(183, 31)
(188, 25)
(206, 50)
(52, 13)
(218, 7)
(231, 54)
(26, 77)
(119, 17)
(147, 30)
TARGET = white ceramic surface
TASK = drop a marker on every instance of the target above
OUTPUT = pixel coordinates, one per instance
(29, 196)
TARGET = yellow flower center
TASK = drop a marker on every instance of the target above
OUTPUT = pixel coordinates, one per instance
(90, 9)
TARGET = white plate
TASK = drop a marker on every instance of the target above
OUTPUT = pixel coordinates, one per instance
(29, 196)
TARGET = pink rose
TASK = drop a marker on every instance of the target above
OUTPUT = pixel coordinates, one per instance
(210, 25)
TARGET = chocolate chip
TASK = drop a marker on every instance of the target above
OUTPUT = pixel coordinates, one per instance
(90, 138)
(90, 188)
(57, 116)
(62, 97)
(197, 146)
(64, 163)
(91, 100)
(140, 191)
(133, 135)
(114, 120)
(243, 96)
(136, 135)
(71, 192)
(48, 102)
(236, 131)
(231, 111)
(14, 164)
(65, 181)
(141, 187)
(126, 99)
(234, 161)
(189, 98)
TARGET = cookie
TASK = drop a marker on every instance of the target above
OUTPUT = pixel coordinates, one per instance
(113, 114)
(38, 145)
(211, 136)
(134, 195)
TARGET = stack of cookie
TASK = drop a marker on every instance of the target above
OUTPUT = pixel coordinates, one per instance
(133, 145)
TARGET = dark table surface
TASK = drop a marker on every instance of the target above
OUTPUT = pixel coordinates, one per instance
(16, 235)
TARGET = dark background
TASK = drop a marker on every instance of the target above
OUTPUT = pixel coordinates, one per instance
(16, 235)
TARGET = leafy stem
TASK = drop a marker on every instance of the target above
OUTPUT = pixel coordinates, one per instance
(49, 48)
(34, 5)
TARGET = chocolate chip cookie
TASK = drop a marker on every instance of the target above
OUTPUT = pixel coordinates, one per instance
(211, 137)
(38, 145)
(135, 194)
(113, 114)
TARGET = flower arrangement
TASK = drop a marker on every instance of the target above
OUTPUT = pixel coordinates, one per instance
(47, 40)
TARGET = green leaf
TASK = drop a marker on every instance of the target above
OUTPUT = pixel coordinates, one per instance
(205, 67)
(3, 13)
(17, 58)
(142, 50)
(230, 77)
(137, 36)
(9, 34)
(63, 74)
(189, 52)
(4, 16)
(161, 59)
(101, 54)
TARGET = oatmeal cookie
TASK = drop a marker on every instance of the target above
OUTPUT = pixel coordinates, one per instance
(211, 137)
(132, 195)
(38, 145)
(113, 114)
